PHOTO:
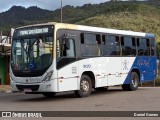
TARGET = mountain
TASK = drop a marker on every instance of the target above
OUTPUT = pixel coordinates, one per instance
(17, 16)
(129, 15)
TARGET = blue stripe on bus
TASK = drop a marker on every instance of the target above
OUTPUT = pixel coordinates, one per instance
(148, 35)
(147, 67)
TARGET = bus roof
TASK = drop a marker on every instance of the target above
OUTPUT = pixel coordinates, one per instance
(115, 31)
(96, 29)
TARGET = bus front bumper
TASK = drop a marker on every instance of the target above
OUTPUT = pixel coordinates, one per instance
(35, 87)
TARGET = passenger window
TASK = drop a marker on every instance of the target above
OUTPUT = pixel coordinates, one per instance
(90, 44)
(111, 45)
(89, 39)
(152, 47)
(143, 48)
(67, 48)
(128, 46)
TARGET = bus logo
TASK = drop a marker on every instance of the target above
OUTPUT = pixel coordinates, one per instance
(125, 65)
(87, 66)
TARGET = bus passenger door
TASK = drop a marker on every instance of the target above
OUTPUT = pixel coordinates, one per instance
(113, 49)
(67, 67)
(114, 71)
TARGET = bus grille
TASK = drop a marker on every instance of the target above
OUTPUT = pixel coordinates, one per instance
(32, 87)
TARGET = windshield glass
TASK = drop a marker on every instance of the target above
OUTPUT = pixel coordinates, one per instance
(32, 54)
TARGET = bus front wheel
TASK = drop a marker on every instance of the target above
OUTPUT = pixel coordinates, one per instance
(134, 83)
(85, 87)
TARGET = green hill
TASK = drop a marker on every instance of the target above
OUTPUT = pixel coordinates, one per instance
(135, 17)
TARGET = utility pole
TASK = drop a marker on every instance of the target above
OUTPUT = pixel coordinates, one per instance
(61, 12)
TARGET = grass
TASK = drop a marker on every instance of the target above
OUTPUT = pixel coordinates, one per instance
(142, 19)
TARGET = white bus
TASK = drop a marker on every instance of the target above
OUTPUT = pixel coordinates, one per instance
(56, 57)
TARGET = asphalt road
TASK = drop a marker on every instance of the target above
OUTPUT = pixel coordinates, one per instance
(144, 99)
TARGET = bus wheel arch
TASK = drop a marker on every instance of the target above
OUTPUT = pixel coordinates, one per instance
(92, 77)
(86, 83)
(134, 81)
(137, 71)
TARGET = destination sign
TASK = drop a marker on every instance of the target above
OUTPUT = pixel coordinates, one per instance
(33, 31)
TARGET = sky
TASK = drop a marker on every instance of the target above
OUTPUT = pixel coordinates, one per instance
(44, 4)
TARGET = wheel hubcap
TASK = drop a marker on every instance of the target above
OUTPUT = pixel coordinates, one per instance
(134, 81)
(84, 86)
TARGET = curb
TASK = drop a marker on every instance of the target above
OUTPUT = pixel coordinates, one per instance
(5, 91)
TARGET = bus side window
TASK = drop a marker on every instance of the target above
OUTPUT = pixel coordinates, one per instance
(70, 48)
(90, 44)
(117, 45)
(128, 45)
(67, 48)
(143, 48)
(111, 45)
(152, 47)
(114, 45)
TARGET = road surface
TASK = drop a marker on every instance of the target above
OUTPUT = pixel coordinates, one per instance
(144, 99)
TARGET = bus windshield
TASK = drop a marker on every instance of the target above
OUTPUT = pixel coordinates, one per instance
(33, 53)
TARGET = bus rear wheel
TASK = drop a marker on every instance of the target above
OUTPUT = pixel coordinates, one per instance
(49, 94)
(134, 83)
(85, 87)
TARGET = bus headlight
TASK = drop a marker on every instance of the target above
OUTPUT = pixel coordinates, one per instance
(12, 78)
(48, 77)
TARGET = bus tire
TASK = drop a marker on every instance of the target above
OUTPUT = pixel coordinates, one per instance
(49, 94)
(134, 83)
(85, 87)
(101, 88)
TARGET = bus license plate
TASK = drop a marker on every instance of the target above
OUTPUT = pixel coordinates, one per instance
(27, 90)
